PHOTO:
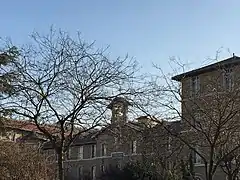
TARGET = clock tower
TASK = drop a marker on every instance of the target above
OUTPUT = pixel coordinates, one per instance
(119, 107)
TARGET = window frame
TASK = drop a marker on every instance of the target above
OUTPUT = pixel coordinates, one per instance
(93, 172)
(103, 151)
(80, 154)
(228, 79)
(93, 150)
(70, 152)
(196, 158)
(102, 167)
(195, 85)
(80, 172)
(134, 147)
(196, 119)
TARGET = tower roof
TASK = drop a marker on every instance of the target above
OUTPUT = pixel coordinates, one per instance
(118, 100)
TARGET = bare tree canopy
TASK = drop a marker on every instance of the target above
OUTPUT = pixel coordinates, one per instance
(7, 73)
(66, 82)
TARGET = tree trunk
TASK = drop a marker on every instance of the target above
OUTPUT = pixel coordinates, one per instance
(60, 166)
(210, 176)
(230, 177)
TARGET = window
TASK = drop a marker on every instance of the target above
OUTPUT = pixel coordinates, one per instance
(228, 79)
(55, 155)
(93, 172)
(134, 147)
(75, 152)
(69, 153)
(80, 173)
(1, 135)
(169, 144)
(51, 155)
(196, 157)
(103, 150)
(80, 152)
(196, 119)
(195, 85)
(93, 152)
(102, 168)
(216, 115)
(116, 143)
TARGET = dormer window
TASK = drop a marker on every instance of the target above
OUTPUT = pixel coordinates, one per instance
(195, 85)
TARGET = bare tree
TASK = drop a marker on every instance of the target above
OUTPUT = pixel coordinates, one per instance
(8, 55)
(230, 164)
(21, 161)
(209, 113)
(67, 83)
(161, 151)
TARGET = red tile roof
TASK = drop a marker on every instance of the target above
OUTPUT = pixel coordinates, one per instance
(27, 126)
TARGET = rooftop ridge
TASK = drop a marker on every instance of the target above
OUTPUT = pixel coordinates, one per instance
(226, 62)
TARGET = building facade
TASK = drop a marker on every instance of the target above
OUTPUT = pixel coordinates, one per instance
(210, 112)
(21, 131)
(113, 146)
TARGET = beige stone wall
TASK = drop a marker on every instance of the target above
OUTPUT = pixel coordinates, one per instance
(212, 101)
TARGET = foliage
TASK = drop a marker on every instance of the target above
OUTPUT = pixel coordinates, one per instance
(132, 171)
(7, 75)
(19, 161)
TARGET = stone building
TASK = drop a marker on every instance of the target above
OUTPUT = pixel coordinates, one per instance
(209, 97)
(111, 146)
(118, 143)
(21, 131)
(123, 141)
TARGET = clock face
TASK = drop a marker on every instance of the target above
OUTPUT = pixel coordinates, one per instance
(117, 107)
(118, 110)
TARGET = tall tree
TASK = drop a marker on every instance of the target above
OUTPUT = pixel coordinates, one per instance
(8, 56)
(66, 82)
(160, 150)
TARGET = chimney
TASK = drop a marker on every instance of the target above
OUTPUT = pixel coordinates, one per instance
(147, 121)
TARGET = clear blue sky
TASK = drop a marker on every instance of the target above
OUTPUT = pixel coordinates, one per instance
(149, 30)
